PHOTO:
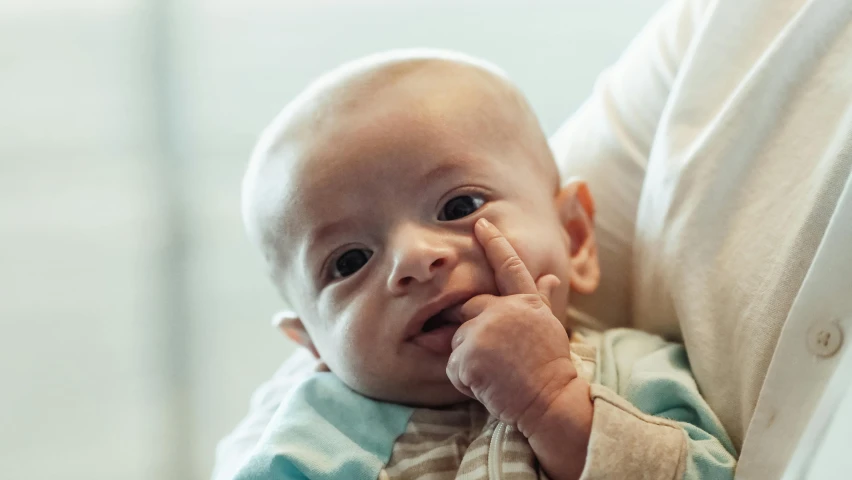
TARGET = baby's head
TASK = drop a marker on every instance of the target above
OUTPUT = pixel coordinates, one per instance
(362, 195)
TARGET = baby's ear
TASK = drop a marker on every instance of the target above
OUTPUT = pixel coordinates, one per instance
(292, 326)
(577, 212)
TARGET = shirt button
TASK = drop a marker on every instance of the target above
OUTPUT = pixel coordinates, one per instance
(824, 338)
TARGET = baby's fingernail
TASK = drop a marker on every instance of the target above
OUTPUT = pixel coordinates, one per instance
(484, 223)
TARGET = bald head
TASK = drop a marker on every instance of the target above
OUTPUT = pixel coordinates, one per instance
(394, 94)
(361, 83)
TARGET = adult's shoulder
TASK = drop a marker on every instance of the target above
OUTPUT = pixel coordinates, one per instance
(608, 141)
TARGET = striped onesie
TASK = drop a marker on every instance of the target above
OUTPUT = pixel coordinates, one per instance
(649, 422)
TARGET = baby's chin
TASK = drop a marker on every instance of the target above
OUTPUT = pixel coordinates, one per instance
(432, 395)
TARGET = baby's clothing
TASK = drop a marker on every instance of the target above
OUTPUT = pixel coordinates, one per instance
(650, 421)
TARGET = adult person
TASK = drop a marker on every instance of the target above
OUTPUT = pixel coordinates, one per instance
(719, 149)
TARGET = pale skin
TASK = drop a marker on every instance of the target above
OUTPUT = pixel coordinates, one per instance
(436, 198)
(513, 356)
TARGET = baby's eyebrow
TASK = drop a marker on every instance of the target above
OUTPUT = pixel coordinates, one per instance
(448, 168)
(322, 232)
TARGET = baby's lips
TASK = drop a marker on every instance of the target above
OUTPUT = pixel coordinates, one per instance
(454, 314)
(471, 308)
(438, 340)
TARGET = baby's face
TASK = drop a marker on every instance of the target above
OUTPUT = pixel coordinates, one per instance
(378, 222)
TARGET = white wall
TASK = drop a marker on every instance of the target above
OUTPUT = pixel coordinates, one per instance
(134, 315)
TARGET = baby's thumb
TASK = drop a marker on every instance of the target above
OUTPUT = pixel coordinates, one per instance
(546, 285)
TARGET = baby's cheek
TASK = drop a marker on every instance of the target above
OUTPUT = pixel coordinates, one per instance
(529, 249)
(349, 363)
(357, 344)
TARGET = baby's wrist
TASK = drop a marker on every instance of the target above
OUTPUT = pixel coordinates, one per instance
(564, 423)
(559, 375)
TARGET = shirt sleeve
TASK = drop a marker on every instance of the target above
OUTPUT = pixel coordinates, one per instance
(650, 419)
(324, 430)
(608, 142)
(233, 450)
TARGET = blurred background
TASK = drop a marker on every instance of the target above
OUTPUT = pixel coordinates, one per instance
(135, 318)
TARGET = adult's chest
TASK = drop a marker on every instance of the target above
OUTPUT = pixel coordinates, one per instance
(747, 169)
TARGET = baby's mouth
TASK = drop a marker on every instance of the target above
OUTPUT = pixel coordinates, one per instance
(436, 321)
(437, 332)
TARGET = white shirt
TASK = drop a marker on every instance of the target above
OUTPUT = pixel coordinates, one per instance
(729, 125)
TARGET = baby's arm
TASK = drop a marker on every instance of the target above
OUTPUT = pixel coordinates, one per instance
(650, 419)
(646, 420)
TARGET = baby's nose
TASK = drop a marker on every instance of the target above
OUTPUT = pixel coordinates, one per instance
(419, 257)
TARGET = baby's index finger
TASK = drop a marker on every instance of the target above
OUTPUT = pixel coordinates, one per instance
(510, 273)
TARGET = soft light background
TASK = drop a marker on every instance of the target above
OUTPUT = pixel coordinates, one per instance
(134, 315)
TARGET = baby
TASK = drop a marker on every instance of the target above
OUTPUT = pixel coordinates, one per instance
(411, 213)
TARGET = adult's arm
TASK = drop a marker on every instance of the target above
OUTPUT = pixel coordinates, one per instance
(608, 143)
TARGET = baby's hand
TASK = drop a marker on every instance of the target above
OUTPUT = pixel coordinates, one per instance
(511, 354)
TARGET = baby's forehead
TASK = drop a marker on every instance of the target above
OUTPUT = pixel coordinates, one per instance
(377, 165)
(399, 134)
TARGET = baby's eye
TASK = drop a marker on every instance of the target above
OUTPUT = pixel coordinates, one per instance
(460, 207)
(350, 262)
